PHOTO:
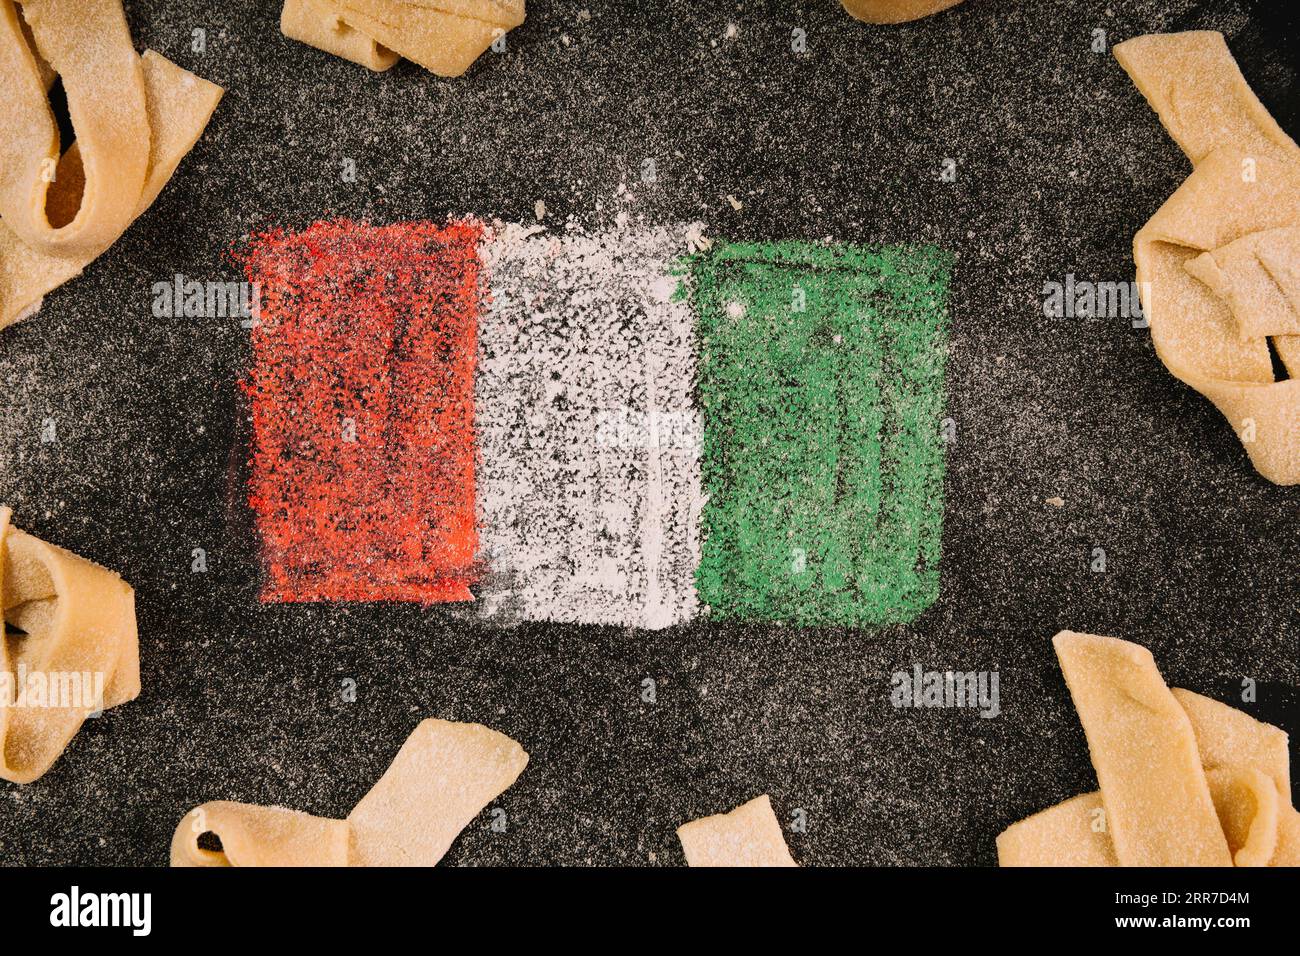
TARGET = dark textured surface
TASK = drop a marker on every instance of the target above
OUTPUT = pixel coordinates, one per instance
(1060, 162)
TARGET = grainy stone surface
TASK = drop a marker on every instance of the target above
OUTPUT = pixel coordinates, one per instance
(1060, 161)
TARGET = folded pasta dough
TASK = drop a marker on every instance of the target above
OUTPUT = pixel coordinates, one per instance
(443, 36)
(1228, 739)
(1072, 833)
(1158, 806)
(442, 777)
(1256, 277)
(88, 44)
(895, 11)
(259, 836)
(1195, 87)
(69, 649)
(1237, 751)
(318, 24)
(1247, 771)
(48, 76)
(749, 835)
(1247, 804)
(178, 105)
(1216, 265)
(1194, 331)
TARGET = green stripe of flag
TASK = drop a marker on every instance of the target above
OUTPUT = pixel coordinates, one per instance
(821, 383)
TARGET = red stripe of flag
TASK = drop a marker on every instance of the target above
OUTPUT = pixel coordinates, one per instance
(362, 394)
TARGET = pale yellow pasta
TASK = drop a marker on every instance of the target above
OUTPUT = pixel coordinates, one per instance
(68, 648)
(318, 24)
(1256, 277)
(1157, 766)
(1247, 804)
(443, 777)
(136, 118)
(1072, 833)
(895, 11)
(748, 836)
(443, 36)
(1158, 806)
(1217, 263)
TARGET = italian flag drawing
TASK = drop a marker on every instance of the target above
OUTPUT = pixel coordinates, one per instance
(630, 428)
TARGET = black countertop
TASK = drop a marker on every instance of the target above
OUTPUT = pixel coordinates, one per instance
(1060, 162)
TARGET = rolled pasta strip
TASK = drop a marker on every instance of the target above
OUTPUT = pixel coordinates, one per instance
(749, 835)
(88, 44)
(258, 836)
(1194, 330)
(1247, 770)
(1216, 278)
(1158, 806)
(1247, 804)
(48, 76)
(443, 36)
(69, 649)
(1228, 739)
(895, 11)
(1073, 833)
(318, 24)
(442, 777)
(178, 105)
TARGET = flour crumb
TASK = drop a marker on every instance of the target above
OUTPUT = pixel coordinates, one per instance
(696, 240)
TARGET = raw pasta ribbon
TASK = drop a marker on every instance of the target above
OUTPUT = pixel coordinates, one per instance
(68, 649)
(895, 11)
(1185, 780)
(443, 36)
(443, 777)
(748, 836)
(1218, 265)
(135, 116)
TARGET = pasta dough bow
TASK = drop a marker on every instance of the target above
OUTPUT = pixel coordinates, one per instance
(443, 776)
(73, 649)
(443, 36)
(1185, 780)
(88, 44)
(135, 116)
(1218, 265)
